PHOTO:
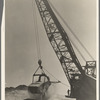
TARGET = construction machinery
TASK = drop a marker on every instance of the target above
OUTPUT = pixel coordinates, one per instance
(40, 84)
(81, 78)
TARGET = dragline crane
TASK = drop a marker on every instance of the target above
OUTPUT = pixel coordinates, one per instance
(76, 75)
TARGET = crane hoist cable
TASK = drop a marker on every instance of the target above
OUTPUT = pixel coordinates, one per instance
(36, 30)
(37, 40)
(70, 30)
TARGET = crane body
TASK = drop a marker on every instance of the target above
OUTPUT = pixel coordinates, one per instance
(62, 46)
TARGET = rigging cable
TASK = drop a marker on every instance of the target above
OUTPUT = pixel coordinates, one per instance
(78, 50)
(36, 30)
(56, 78)
(70, 30)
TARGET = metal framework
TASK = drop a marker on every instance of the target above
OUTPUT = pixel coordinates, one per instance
(90, 68)
(59, 41)
(62, 46)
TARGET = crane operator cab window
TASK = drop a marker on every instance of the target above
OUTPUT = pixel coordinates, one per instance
(75, 76)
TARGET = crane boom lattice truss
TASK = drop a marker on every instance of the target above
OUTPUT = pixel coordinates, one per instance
(59, 40)
(64, 51)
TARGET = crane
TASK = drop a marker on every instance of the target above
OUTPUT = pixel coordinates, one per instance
(77, 76)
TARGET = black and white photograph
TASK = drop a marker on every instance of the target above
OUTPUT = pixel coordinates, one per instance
(51, 50)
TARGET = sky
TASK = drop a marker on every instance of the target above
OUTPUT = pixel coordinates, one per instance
(20, 39)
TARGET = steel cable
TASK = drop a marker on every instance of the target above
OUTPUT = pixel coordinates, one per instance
(36, 30)
(56, 78)
(71, 31)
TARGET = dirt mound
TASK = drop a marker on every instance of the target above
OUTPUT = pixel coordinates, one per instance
(21, 87)
(16, 93)
(20, 93)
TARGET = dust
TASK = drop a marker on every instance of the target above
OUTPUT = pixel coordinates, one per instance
(24, 94)
(16, 95)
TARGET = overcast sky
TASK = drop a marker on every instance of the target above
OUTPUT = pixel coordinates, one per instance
(21, 52)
